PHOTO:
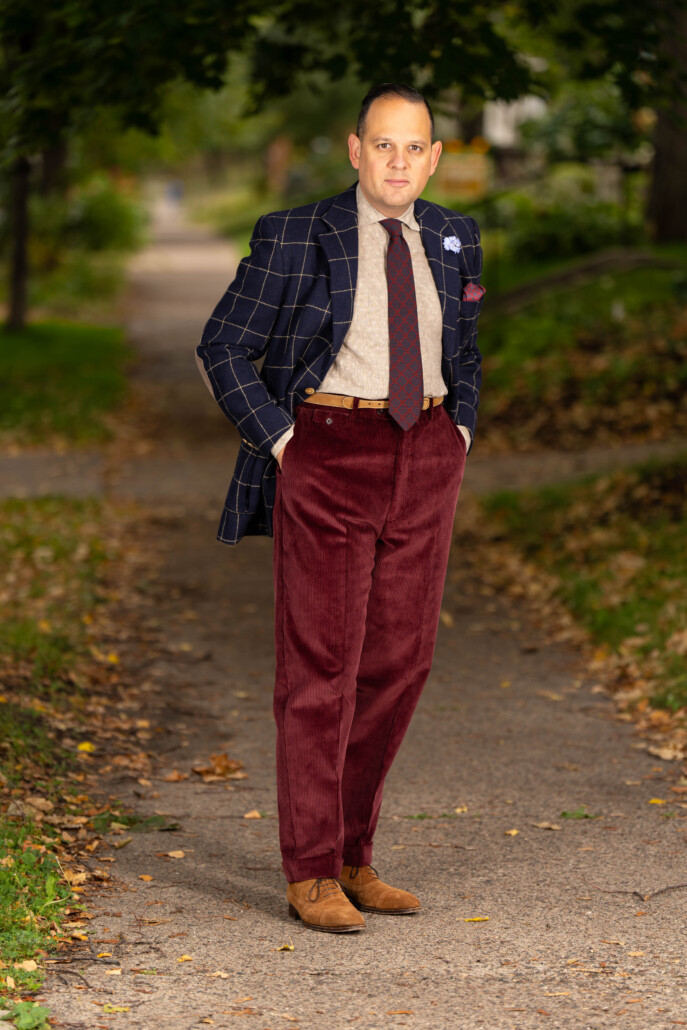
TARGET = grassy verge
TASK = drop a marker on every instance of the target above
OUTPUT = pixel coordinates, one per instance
(615, 546)
(53, 558)
(595, 363)
(58, 382)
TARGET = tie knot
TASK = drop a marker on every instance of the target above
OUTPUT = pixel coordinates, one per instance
(393, 226)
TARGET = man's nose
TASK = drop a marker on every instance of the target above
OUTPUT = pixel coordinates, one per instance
(398, 159)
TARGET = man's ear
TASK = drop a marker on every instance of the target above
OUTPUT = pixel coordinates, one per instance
(436, 153)
(354, 147)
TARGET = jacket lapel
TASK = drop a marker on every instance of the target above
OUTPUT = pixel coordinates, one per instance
(445, 269)
(340, 247)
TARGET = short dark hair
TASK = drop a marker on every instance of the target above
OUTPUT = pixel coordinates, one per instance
(392, 89)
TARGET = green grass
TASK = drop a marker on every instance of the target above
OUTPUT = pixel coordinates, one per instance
(599, 362)
(60, 380)
(31, 900)
(53, 559)
(616, 544)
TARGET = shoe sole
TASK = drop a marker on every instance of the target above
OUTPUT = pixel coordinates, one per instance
(295, 914)
(381, 911)
(387, 911)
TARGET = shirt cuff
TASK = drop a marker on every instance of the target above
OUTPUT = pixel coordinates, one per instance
(468, 436)
(281, 442)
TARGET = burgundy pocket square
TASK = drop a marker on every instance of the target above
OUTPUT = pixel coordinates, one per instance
(473, 292)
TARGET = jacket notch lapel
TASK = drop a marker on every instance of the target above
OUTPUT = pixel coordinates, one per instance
(446, 273)
(340, 247)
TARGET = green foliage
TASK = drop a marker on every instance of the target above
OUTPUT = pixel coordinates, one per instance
(579, 813)
(31, 898)
(561, 216)
(601, 358)
(616, 545)
(28, 1015)
(585, 120)
(102, 217)
(60, 380)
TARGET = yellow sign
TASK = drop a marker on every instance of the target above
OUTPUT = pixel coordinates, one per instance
(463, 172)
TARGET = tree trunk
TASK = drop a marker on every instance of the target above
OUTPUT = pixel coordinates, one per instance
(666, 207)
(53, 167)
(19, 233)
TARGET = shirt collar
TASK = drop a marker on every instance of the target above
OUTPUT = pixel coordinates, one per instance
(367, 214)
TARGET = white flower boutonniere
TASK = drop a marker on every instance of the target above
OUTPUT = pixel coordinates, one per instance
(452, 243)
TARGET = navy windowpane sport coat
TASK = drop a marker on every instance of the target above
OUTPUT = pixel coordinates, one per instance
(292, 301)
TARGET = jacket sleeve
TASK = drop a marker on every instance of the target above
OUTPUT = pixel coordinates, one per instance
(470, 368)
(238, 333)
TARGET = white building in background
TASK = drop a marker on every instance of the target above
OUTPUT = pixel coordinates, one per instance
(502, 119)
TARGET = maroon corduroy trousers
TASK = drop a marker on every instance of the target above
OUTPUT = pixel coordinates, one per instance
(362, 528)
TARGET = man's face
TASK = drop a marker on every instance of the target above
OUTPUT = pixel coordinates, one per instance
(395, 156)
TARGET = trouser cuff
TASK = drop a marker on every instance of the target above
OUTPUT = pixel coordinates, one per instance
(310, 869)
(358, 855)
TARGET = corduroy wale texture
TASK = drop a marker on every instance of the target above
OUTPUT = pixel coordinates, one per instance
(362, 523)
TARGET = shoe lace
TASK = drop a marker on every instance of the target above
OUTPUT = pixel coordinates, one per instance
(356, 869)
(324, 887)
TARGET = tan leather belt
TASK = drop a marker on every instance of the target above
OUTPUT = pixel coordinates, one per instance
(338, 400)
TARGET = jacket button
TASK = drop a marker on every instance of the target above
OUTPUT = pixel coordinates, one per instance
(328, 421)
(309, 389)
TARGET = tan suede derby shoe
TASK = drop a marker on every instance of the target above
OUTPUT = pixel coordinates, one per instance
(322, 905)
(362, 885)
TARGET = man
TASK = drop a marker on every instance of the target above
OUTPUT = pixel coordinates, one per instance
(354, 437)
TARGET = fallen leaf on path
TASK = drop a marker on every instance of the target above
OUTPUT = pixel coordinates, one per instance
(511, 833)
(28, 965)
(85, 745)
(239, 1001)
(460, 808)
(476, 919)
(220, 973)
(104, 954)
(185, 958)
(668, 752)
(9, 980)
(176, 854)
(38, 803)
(556, 994)
(658, 801)
(113, 972)
(285, 947)
(122, 843)
(547, 826)
(146, 877)
(446, 617)
(221, 766)
(116, 1008)
(175, 777)
(636, 954)
(550, 695)
(253, 814)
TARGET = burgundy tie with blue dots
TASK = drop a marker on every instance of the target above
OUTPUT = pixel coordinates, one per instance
(405, 358)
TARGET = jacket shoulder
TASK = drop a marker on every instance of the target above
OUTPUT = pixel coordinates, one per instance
(299, 223)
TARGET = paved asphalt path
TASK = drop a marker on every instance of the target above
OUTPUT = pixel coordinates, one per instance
(530, 930)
